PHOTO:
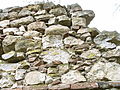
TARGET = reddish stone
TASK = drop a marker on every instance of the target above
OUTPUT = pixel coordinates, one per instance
(60, 87)
(11, 89)
(56, 62)
(87, 85)
(38, 63)
(56, 82)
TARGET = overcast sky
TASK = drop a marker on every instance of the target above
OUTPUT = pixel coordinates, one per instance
(107, 11)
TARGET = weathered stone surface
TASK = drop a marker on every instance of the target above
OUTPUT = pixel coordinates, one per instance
(72, 76)
(33, 51)
(10, 31)
(38, 87)
(4, 23)
(74, 7)
(64, 20)
(48, 80)
(31, 34)
(20, 74)
(24, 64)
(24, 45)
(56, 30)
(58, 11)
(24, 20)
(41, 12)
(107, 39)
(10, 9)
(72, 41)
(34, 7)
(8, 43)
(87, 14)
(3, 16)
(24, 12)
(93, 31)
(9, 67)
(12, 15)
(6, 80)
(22, 28)
(48, 5)
(84, 86)
(44, 17)
(60, 87)
(82, 31)
(52, 21)
(91, 54)
(9, 56)
(79, 21)
(63, 68)
(112, 53)
(37, 26)
(52, 41)
(52, 70)
(12, 56)
(85, 35)
(34, 77)
(54, 54)
(46, 46)
(101, 71)
(113, 71)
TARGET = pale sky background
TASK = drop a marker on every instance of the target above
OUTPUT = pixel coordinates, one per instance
(107, 11)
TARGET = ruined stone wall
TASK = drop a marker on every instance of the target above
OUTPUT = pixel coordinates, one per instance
(50, 46)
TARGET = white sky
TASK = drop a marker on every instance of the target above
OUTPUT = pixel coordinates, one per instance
(107, 11)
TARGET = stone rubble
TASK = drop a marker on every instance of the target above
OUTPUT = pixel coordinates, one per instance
(50, 47)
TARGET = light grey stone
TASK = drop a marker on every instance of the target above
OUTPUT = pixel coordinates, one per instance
(52, 41)
(55, 54)
(101, 70)
(52, 21)
(44, 17)
(6, 81)
(19, 75)
(24, 20)
(63, 68)
(34, 77)
(9, 67)
(107, 39)
(78, 21)
(91, 54)
(41, 12)
(12, 56)
(4, 23)
(9, 42)
(31, 34)
(10, 30)
(72, 41)
(24, 12)
(56, 30)
(37, 26)
(87, 14)
(112, 53)
(72, 76)
(58, 11)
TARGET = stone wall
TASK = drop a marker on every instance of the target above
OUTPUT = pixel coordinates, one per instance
(51, 45)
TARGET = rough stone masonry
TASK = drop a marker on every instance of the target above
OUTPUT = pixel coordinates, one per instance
(46, 46)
